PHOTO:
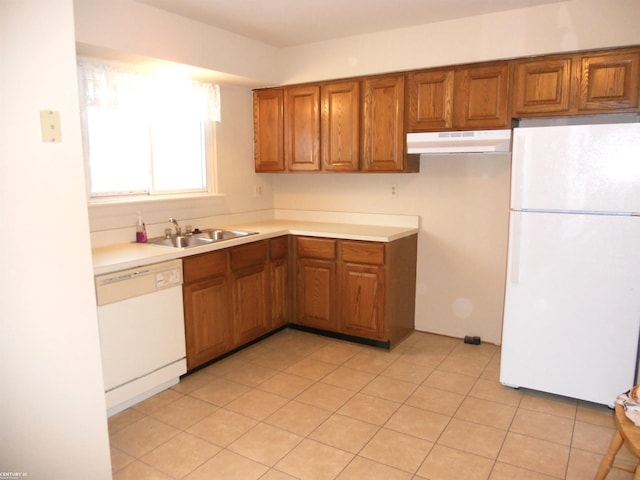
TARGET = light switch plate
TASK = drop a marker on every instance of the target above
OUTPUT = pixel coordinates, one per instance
(50, 126)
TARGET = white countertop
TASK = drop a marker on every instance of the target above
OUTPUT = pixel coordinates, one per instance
(111, 258)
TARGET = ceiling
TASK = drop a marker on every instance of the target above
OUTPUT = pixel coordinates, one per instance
(287, 23)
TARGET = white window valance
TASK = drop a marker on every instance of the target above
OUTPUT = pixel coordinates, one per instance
(107, 85)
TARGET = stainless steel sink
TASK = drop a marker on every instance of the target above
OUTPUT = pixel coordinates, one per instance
(216, 234)
(199, 237)
(180, 242)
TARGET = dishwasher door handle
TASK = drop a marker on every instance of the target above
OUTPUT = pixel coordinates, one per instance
(127, 276)
(118, 278)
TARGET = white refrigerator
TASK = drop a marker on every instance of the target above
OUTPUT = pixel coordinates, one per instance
(572, 305)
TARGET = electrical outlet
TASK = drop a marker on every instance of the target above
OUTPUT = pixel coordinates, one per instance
(394, 191)
(257, 190)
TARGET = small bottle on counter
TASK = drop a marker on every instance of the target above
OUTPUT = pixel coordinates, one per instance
(141, 230)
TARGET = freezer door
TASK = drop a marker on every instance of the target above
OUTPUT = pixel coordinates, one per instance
(593, 168)
(572, 306)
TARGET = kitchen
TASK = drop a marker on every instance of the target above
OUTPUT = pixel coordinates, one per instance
(463, 181)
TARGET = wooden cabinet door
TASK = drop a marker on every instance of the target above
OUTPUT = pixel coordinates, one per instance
(362, 300)
(250, 291)
(207, 319)
(315, 293)
(316, 283)
(541, 86)
(279, 281)
(302, 128)
(268, 130)
(481, 97)
(340, 126)
(430, 100)
(383, 124)
(207, 307)
(250, 304)
(362, 289)
(607, 82)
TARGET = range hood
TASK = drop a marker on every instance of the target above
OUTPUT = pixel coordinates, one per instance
(473, 141)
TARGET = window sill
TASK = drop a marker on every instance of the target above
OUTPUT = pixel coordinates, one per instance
(149, 199)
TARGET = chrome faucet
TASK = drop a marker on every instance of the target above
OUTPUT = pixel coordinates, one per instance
(175, 224)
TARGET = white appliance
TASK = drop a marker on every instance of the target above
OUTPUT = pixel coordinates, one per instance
(142, 338)
(572, 306)
(472, 141)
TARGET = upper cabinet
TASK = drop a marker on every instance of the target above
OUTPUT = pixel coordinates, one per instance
(383, 134)
(607, 81)
(460, 98)
(430, 100)
(583, 83)
(481, 97)
(307, 128)
(302, 128)
(541, 86)
(343, 126)
(268, 139)
(360, 124)
(340, 126)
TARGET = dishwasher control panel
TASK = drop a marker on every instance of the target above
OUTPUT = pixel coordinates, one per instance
(134, 282)
(168, 277)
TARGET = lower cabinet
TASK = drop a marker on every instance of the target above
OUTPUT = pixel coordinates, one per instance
(361, 282)
(348, 288)
(316, 283)
(250, 291)
(207, 307)
(228, 300)
(356, 288)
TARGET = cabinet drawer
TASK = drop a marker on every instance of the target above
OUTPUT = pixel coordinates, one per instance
(279, 247)
(359, 252)
(205, 265)
(249, 255)
(316, 248)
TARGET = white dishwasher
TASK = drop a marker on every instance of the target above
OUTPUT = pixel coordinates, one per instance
(141, 323)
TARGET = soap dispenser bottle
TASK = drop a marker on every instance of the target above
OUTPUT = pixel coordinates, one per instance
(141, 230)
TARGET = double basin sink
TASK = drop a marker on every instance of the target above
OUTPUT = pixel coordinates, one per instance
(199, 237)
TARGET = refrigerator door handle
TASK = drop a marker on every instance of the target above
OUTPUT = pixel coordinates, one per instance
(516, 236)
(519, 153)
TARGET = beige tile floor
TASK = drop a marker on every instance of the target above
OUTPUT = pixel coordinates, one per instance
(301, 406)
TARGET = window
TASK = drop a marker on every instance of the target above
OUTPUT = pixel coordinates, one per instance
(146, 134)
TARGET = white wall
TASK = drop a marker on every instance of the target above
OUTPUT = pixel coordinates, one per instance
(128, 27)
(52, 409)
(557, 27)
(132, 28)
(236, 167)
